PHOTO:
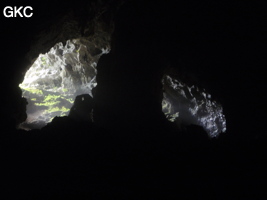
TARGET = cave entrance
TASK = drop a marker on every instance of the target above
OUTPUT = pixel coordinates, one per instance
(57, 77)
(185, 105)
(67, 70)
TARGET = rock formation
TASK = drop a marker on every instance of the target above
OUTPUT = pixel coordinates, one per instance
(82, 108)
(186, 105)
(61, 63)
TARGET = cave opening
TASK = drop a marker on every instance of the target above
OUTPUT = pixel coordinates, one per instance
(54, 80)
(185, 104)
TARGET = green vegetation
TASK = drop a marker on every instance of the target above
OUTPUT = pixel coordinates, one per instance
(43, 59)
(48, 104)
(51, 97)
(166, 107)
(173, 117)
(70, 100)
(32, 90)
(51, 101)
(63, 110)
(65, 90)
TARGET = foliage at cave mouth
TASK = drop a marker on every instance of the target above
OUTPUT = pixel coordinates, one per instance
(57, 77)
(184, 105)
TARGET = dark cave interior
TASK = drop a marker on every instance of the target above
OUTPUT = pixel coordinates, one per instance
(131, 150)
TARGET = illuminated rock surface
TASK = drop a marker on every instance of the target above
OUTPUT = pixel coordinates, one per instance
(60, 61)
(57, 77)
(183, 104)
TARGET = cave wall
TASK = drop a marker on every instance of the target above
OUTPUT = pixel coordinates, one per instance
(49, 26)
(222, 44)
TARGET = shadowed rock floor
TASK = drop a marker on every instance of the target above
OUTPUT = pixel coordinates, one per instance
(68, 159)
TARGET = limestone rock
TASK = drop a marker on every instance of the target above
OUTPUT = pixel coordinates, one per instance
(186, 105)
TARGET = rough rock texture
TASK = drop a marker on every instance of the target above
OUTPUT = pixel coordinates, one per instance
(70, 159)
(69, 69)
(94, 21)
(185, 104)
(62, 61)
(57, 77)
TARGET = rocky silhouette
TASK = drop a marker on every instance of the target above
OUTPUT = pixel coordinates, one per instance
(82, 108)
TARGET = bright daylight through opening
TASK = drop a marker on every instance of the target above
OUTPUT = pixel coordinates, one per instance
(183, 104)
(67, 70)
(57, 77)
